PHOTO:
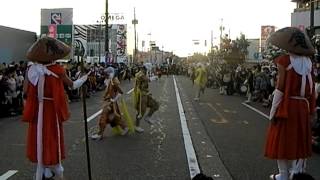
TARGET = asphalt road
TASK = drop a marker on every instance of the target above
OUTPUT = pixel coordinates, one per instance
(228, 139)
(238, 133)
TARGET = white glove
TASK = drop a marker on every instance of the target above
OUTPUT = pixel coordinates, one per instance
(116, 98)
(78, 83)
(277, 98)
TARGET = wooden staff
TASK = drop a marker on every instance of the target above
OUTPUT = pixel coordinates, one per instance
(84, 107)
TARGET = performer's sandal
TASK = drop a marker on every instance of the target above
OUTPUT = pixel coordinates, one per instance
(49, 178)
(96, 137)
(273, 177)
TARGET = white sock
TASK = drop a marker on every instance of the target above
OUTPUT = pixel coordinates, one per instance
(283, 170)
(58, 169)
(47, 173)
(39, 173)
(298, 166)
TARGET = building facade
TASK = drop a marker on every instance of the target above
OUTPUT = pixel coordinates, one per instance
(14, 44)
(58, 23)
(91, 38)
(301, 16)
(154, 56)
(254, 54)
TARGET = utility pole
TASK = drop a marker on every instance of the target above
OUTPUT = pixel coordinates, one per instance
(99, 39)
(311, 18)
(162, 55)
(135, 22)
(150, 47)
(106, 43)
(221, 30)
(211, 46)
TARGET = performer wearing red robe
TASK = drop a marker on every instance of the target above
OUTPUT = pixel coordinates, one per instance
(289, 134)
(46, 106)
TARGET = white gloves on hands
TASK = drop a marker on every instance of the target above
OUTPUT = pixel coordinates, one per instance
(78, 83)
(277, 98)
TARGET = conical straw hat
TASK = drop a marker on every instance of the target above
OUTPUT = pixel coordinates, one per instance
(47, 49)
(292, 40)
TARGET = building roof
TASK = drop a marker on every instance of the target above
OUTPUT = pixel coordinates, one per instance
(15, 29)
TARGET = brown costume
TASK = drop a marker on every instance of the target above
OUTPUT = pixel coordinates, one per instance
(110, 112)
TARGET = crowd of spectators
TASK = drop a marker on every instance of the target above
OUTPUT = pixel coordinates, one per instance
(12, 78)
(11, 86)
(256, 82)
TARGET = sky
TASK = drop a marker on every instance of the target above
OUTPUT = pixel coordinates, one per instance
(173, 24)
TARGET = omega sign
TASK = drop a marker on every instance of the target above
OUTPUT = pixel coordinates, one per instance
(116, 18)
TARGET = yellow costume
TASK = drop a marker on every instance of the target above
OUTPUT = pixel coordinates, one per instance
(201, 80)
(143, 98)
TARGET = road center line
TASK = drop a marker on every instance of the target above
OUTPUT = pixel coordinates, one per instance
(94, 115)
(8, 174)
(256, 110)
(130, 91)
(191, 155)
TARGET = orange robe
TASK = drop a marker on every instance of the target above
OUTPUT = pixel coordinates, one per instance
(53, 110)
(290, 137)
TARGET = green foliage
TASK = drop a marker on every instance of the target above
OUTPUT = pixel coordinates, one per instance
(242, 44)
(233, 52)
(197, 57)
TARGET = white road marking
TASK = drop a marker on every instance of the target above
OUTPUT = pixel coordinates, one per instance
(8, 174)
(130, 91)
(94, 115)
(256, 110)
(191, 155)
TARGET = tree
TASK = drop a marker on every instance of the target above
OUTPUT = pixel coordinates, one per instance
(213, 54)
(242, 44)
(197, 57)
(234, 52)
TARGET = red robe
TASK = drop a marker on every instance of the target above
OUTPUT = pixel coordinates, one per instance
(53, 110)
(290, 138)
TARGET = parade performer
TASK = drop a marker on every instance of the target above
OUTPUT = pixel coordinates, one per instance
(143, 99)
(201, 80)
(289, 134)
(111, 111)
(46, 106)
